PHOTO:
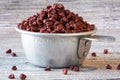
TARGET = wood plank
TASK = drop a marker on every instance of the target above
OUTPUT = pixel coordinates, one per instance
(105, 14)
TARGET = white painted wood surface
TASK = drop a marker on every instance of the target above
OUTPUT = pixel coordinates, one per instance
(105, 14)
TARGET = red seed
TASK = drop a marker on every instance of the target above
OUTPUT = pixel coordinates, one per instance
(105, 51)
(71, 67)
(22, 76)
(8, 51)
(93, 54)
(108, 66)
(13, 54)
(48, 68)
(118, 67)
(14, 68)
(65, 71)
(76, 69)
(11, 76)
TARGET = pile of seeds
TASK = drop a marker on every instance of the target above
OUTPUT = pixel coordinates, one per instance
(56, 19)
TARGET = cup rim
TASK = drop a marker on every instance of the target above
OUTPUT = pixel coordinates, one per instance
(55, 34)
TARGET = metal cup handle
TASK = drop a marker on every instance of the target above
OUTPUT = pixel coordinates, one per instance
(85, 43)
(101, 38)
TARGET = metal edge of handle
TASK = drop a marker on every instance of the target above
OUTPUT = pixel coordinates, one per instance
(101, 38)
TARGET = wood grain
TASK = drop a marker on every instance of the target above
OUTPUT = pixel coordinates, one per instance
(105, 14)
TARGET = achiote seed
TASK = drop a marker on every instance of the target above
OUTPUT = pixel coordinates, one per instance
(13, 54)
(118, 67)
(11, 76)
(48, 68)
(93, 54)
(8, 51)
(65, 71)
(22, 76)
(76, 69)
(14, 68)
(105, 51)
(108, 66)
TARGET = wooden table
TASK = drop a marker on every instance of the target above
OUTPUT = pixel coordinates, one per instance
(105, 14)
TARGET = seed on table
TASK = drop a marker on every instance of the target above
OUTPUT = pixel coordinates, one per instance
(22, 76)
(105, 51)
(76, 69)
(13, 54)
(11, 76)
(8, 51)
(14, 68)
(65, 71)
(48, 68)
(108, 66)
(71, 67)
(118, 67)
(93, 54)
